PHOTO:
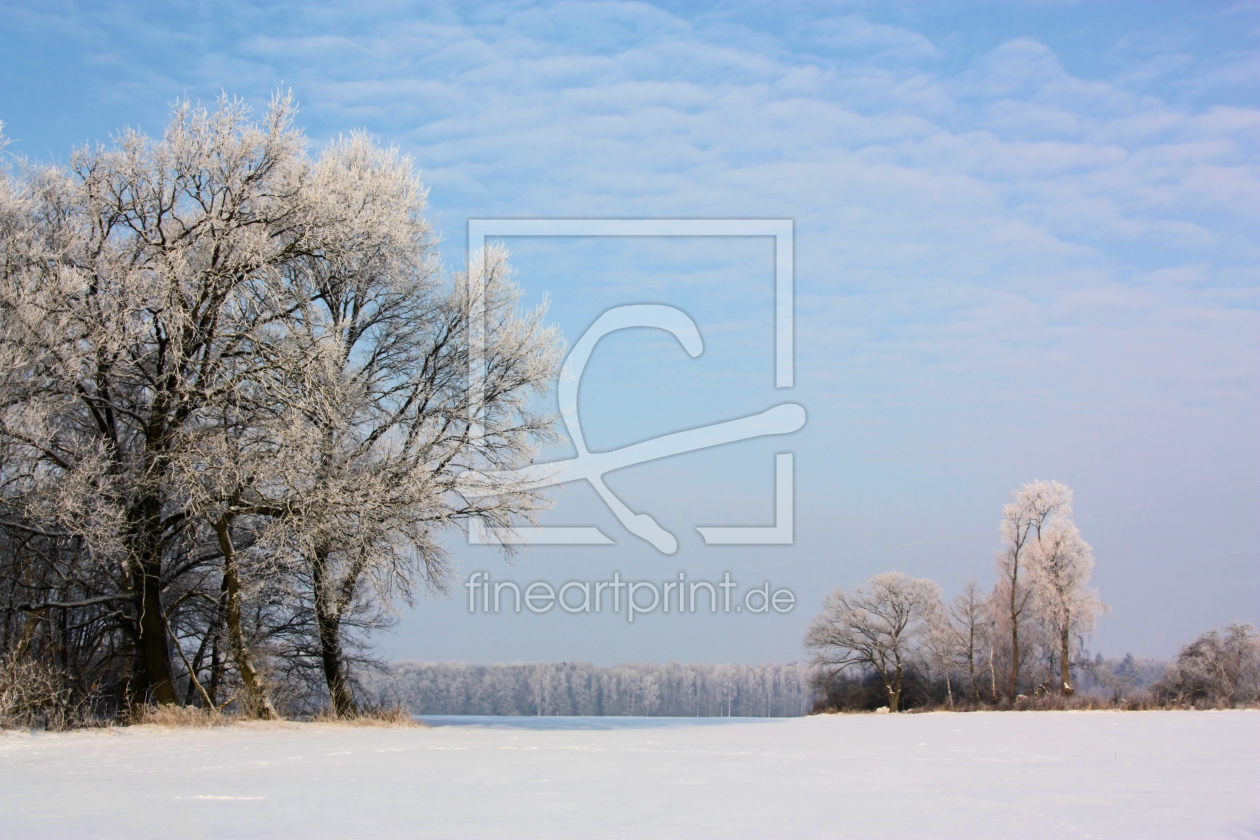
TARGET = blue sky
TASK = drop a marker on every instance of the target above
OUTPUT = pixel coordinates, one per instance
(1026, 247)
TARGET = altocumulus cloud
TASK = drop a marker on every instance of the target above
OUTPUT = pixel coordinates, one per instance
(994, 246)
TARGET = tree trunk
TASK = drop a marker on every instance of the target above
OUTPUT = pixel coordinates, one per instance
(157, 680)
(257, 703)
(216, 669)
(971, 673)
(1065, 662)
(328, 622)
(195, 667)
(1014, 637)
(992, 676)
(1014, 692)
(155, 653)
(894, 691)
(334, 668)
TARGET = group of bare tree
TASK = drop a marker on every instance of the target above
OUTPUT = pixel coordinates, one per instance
(580, 688)
(235, 412)
(1216, 669)
(1024, 636)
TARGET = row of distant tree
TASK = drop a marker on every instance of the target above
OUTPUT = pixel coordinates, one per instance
(1220, 668)
(579, 688)
(894, 642)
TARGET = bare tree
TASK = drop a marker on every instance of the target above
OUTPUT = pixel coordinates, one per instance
(963, 626)
(233, 372)
(1022, 522)
(875, 626)
(375, 430)
(145, 275)
(938, 649)
(380, 382)
(1060, 565)
(1216, 668)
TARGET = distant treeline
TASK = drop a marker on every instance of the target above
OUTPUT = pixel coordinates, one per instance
(580, 688)
(1220, 669)
(1101, 683)
(1119, 678)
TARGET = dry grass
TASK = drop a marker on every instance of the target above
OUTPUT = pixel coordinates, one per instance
(188, 717)
(1048, 703)
(180, 717)
(1137, 702)
(1083, 703)
(385, 717)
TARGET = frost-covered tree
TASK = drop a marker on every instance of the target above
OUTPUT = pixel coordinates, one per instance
(134, 292)
(233, 400)
(965, 618)
(1219, 667)
(875, 626)
(1023, 520)
(377, 378)
(937, 651)
(1059, 565)
(579, 688)
(958, 638)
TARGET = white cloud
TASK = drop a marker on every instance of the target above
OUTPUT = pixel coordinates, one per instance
(986, 242)
(855, 33)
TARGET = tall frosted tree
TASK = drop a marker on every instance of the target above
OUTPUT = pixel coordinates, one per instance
(227, 365)
(966, 632)
(376, 375)
(1023, 520)
(1060, 565)
(134, 291)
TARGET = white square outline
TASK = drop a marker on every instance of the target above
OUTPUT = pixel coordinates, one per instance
(781, 533)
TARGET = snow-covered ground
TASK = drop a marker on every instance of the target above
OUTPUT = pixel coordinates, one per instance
(988, 775)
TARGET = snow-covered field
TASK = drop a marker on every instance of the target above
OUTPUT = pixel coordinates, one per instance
(987, 775)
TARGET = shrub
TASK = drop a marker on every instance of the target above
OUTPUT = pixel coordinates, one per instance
(1220, 668)
(32, 695)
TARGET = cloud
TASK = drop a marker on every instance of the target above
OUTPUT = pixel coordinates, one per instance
(990, 240)
(856, 34)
